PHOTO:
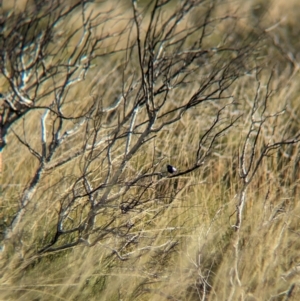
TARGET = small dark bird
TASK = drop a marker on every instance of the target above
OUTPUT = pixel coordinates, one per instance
(171, 169)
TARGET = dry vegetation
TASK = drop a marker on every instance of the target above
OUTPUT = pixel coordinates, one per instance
(98, 98)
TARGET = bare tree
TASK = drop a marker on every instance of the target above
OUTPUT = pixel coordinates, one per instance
(261, 142)
(167, 49)
(251, 155)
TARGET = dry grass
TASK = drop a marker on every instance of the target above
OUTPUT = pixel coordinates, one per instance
(184, 245)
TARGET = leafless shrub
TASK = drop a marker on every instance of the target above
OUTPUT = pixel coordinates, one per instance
(101, 95)
(258, 152)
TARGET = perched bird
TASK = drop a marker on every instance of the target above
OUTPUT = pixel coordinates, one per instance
(171, 169)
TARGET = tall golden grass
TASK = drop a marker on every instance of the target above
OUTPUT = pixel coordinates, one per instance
(190, 250)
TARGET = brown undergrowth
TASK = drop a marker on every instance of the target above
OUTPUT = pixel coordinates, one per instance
(226, 229)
